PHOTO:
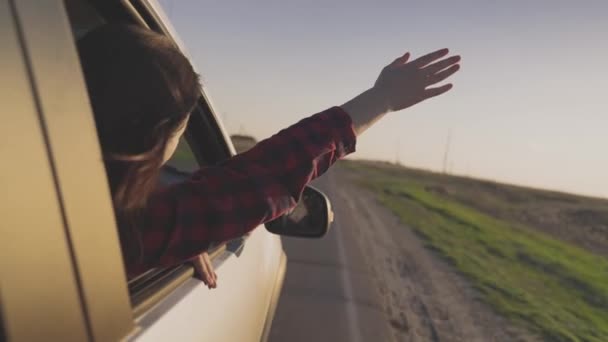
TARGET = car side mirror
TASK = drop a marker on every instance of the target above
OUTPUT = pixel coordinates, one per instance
(311, 218)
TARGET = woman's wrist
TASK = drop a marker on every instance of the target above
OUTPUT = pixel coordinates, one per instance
(365, 109)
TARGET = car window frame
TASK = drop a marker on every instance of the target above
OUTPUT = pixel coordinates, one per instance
(206, 138)
(79, 172)
(101, 278)
(210, 145)
(39, 280)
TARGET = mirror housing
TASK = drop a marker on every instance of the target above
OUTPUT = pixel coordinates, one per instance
(311, 218)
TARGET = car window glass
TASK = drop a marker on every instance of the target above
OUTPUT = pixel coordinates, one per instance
(183, 159)
(181, 164)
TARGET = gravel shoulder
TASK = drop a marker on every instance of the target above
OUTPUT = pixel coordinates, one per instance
(422, 298)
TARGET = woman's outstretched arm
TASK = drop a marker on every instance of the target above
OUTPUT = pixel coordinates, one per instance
(228, 200)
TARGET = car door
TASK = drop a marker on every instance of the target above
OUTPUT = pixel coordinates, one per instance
(163, 304)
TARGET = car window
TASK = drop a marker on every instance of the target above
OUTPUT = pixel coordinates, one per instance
(183, 159)
(181, 165)
(157, 283)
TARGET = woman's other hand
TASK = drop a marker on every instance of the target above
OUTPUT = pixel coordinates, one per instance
(204, 271)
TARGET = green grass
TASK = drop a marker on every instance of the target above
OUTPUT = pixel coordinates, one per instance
(552, 288)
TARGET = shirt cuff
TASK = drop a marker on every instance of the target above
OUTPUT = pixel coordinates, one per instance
(344, 132)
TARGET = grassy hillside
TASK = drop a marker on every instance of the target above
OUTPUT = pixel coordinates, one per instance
(527, 251)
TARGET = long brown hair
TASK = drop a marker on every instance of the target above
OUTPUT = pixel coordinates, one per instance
(142, 89)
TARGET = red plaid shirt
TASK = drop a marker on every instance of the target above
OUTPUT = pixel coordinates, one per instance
(226, 201)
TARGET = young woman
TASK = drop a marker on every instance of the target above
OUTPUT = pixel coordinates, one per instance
(142, 90)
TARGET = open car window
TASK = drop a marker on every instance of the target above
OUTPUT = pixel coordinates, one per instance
(181, 165)
(202, 131)
(183, 159)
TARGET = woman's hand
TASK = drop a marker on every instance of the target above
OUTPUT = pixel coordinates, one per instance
(400, 85)
(204, 271)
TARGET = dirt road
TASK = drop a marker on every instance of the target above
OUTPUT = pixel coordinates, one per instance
(371, 279)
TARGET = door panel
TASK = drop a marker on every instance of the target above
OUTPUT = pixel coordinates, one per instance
(247, 270)
(80, 173)
(234, 311)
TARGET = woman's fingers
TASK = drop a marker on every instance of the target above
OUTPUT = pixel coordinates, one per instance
(204, 270)
(209, 270)
(432, 92)
(403, 59)
(199, 269)
(428, 58)
(400, 60)
(438, 66)
(442, 75)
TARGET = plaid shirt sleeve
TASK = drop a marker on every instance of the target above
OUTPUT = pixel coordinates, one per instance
(228, 200)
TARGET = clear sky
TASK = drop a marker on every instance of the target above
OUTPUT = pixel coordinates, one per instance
(530, 105)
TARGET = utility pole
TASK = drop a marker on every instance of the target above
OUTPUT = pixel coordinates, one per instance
(447, 152)
(397, 159)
